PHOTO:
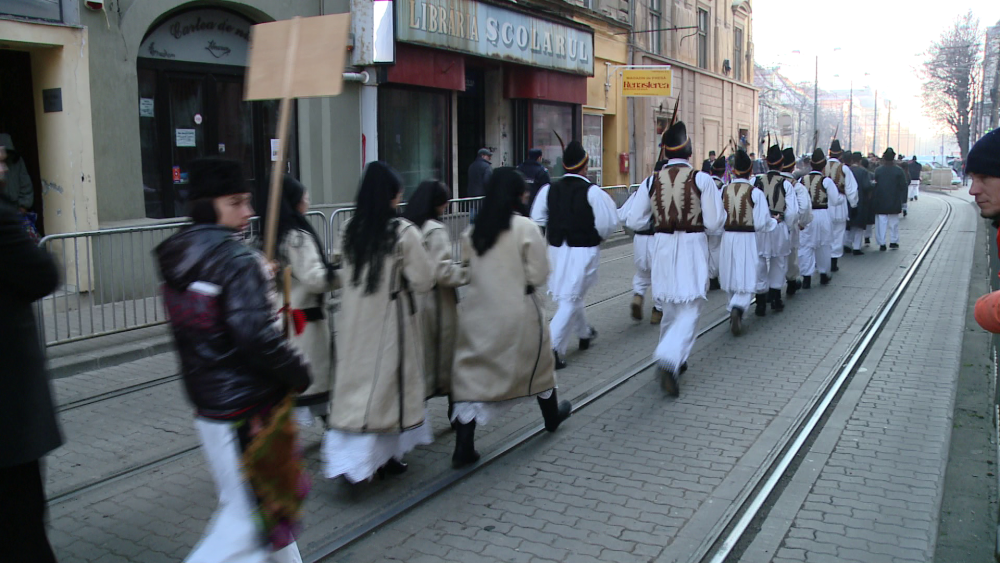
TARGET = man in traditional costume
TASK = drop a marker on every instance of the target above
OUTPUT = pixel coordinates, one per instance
(847, 185)
(747, 217)
(718, 169)
(816, 239)
(577, 215)
(859, 214)
(641, 241)
(774, 247)
(890, 195)
(683, 204)
(794, 228)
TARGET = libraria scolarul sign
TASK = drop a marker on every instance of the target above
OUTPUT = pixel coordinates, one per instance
(656, 82)
(491, 31)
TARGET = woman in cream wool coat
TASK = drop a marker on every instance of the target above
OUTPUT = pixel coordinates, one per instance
(377, 412)
(313, 277)
(437, 308)
(504, 348)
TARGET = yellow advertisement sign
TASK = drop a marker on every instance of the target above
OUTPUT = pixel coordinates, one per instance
(646, 82)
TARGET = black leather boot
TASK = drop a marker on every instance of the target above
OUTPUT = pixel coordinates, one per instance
(824, 279)
(560, 363)
(585, 342)
(465, 445)
(833, 265)
(736, 321)
(713, 284)
(554, 411)
(807, 282)
(668, 382)
(793, 286)
(776, 305)
(761, 309)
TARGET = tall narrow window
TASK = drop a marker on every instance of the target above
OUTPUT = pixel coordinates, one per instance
(738, 53)
(702, 38)
(655, 23)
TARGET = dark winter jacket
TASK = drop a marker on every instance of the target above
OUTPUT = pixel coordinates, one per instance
(479, 174)
(233, 355)
(535, 176)
(28, 426)
(915, 168)
(890, 190)
(864, 214)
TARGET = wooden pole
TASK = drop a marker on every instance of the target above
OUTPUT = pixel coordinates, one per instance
(274, 195)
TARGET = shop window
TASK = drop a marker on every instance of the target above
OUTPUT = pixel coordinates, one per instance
(593, 133)
(549, 122)
(702, 38)
(738, 53)
(655, 23)
(413, 134)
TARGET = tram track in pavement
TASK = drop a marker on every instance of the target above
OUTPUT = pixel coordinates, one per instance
(75, 491)
(735, 522)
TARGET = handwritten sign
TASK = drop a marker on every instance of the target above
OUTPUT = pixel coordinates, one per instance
(638, 83)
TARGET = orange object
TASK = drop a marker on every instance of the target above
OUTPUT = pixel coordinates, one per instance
(987, 312)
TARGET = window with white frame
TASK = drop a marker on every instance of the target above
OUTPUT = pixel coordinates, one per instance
(738, 53)
(702, 38)
(655, 23)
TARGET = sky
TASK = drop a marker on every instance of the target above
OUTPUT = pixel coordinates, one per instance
(884, 38)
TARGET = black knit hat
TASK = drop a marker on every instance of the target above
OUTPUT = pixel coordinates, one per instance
(788, 159)
(835, 150)
(675, 139)
(575, 157)
(984, 158)
(719, 166)
(212, 177)
(774, 157)
(889, 154)
(818, 158)
(742, 165)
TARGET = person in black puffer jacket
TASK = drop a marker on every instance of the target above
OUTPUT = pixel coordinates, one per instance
(236, 365)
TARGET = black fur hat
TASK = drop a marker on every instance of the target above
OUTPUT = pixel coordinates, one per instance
(742, 165)
(675, 139)
(788, 159)
(835, 150)
(212, 177)
(889, 154)
(719, 166)
(818, 158)
(774, 157)
(575, 157)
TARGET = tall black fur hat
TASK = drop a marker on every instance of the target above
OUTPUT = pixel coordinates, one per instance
(212, 177)
(818, 158)
(774, 157)
(984, 158)
(742, 165)
(788, 160)
(675, 138)
(575, 157)
(719, 166)
(835, 150)
(889, 154)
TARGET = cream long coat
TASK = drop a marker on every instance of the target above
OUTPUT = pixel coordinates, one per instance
(504, 350)
(380, 382)
(310, 284)
(438, 309)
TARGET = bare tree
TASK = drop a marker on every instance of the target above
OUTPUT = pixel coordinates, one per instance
(952, 72)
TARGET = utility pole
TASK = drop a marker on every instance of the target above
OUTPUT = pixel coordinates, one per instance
(875, 129)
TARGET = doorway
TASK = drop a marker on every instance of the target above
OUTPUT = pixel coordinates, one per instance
(471, 125)
(17, 119)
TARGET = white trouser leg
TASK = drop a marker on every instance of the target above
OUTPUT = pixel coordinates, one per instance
(837, 239)
(741, 300)
(792, 269)
(776, 268)
(857, 236)
(232, 536)
(868, 231)
(807, 261)
(893, 224)
(714, 249)
(823, 258)
(561, 325)
(640, 258)
(881, 222)
(762, 269)
(641, 282)
(677, 333)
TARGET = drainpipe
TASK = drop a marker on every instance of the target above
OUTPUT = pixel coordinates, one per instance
(630, 102)
(361, 77)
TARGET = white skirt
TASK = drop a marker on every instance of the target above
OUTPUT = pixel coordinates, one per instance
(358, 456)
(738, 262)
(680, 267)
(776, 243)
(467, 411)
(574, 270)
(817, 233)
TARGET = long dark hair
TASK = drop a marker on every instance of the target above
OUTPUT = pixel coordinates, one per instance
(423, 205)
(289, 217)
(371, 233)
(503, 198)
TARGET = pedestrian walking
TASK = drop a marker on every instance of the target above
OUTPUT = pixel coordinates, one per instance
(847, 185)
(312, 278)
(577, 215)
(747, 216)
(479, 173)
(915, 168)
(535, 173)
(817, 238)
(437, 308)
(377, 413)
(28, 426)
(774, 247)
(683, 203)
(641, 240)
(906, 177)
(502, 356)
(718, 170)
(861, 214)
(890, 194)
(804, 206)
(706, 165)
(238, 370)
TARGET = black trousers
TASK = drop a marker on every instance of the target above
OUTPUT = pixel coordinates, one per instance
(22, 515)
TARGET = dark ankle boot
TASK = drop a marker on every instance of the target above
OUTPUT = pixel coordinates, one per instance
(807, 282)
(713, 284)
(465, 445)
(793, 286)
(553, 411)
(833, 265)
(824, 279)
(560, 363)
(776, 305)
(761, 309)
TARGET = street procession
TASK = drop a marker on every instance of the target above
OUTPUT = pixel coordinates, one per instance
(500, 281)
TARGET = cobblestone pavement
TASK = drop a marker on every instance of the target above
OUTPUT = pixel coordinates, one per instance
(633, 477)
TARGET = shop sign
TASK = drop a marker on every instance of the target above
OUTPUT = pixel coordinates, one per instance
(491, 31)
(636, 83)
(200, 36)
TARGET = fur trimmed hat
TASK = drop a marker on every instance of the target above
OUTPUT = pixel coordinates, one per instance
(818, 158)
(788, 160)
(719, 166)
(675, 138)
(742, 165)
(212, 177)
(835, 149)
(984, 158)
(575, 157)
(774, 157)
